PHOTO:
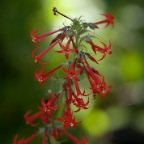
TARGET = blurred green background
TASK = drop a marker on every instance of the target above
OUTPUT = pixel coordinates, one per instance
(119, 117)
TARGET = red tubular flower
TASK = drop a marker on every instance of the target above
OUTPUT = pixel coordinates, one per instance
(49, 105)
(60, 36)
(91, 73)
(104, 88)
(79, 103)
(68, 119)
(29, 119)
(38, 57)
(91, 58)
(105, 50)
(109, 20)
(94, 86)
(38, 38)
(99, 87)
(69, 92)
(55, 132)
(66, 49)
(45, 118)
(93, 46)
(42, 77)
(94, 78)
(23, 140)
(72, 75)
(74, 139)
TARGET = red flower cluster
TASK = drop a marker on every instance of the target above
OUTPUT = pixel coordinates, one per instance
(55, 115)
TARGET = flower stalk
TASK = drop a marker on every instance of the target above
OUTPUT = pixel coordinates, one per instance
(55, 114)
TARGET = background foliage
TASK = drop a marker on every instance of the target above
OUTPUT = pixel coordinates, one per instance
(121, 113)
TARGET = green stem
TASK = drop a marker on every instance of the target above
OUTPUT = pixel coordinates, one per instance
(61, 106)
